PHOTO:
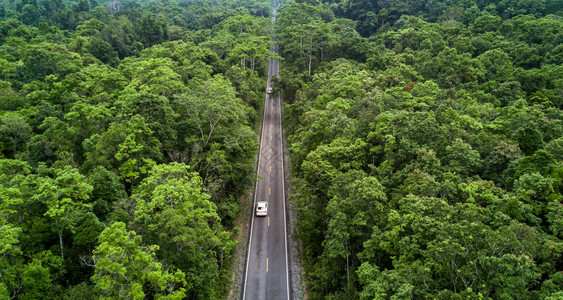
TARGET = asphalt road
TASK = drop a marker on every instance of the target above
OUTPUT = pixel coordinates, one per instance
(266, 273)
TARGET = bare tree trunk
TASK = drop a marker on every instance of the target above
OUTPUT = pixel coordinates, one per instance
(348, 276)
(61, 245)
(310, 54)
(211, 128)
(310, 59)
(221, 264)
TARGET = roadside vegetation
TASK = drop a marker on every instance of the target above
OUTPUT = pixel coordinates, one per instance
(127, 135)
(426, 143)
(426, 146)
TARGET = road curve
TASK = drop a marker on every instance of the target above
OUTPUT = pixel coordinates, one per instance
(266, 272)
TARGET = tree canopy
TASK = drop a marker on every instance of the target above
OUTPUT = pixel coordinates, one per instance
(422, 137)
(127, 138)
(425, 143)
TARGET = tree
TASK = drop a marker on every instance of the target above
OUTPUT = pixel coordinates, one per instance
(37, 276)
(173, 208)
(299, 27)
(529, 137)
(107, 190)
(253, 49)
(9, 249)
(102, 50)
(461, 158)
(152, 31)
(211, 104)
(64, 197)
(157, 77)
(534, 189)
(10, 207)
(155, 109)
(125, 268)
(357, 202)
(215, 115)
(129, 148)
(83, 6)
(40, 62)
(56, 141)
(14, 132)
(30, 15)
(436, 107)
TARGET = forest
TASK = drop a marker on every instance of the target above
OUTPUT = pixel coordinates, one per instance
(426, 146)
(425, 141)
(127, 138)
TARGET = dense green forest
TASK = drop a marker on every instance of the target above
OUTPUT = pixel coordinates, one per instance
(127, 136)
(426, 142)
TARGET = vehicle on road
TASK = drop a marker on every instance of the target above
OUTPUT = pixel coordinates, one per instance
(261, 208)
(269, 90)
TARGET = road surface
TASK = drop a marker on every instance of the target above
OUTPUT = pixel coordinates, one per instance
(266, 274)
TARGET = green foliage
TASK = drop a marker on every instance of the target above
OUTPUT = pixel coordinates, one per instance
(64, 199)
(125, 268)
(102, 50)
(14, 133)
(211, 111)
(425, 142)
(447, 116)
(107, 190)
(82, 291)
(88, 231)
(170, 203)
(243, 40)
(93, 97)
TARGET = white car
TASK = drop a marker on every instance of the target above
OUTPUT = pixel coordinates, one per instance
(261, 208)
(269, 90)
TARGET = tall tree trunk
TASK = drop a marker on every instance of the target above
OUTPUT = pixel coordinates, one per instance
(301, 46)
(348, 276)
(310, 53)
(61, 245)
(310, 59)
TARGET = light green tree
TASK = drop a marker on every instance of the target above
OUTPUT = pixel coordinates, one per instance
(125, 268)
(65, 197)
(173, 208)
